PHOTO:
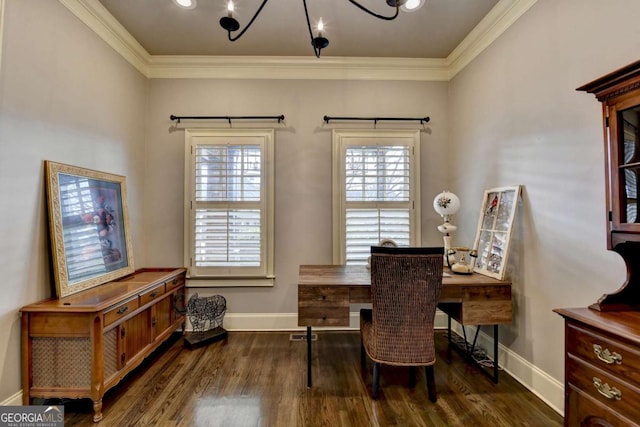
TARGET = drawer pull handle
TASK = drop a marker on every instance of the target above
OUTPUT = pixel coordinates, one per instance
(123, 310)
(606, 390)
(606, 356)
(153, 294)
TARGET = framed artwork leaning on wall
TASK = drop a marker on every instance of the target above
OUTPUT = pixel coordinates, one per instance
(497, 213)
(89, 227)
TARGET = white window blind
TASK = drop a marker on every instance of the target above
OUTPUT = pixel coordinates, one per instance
(375, 191)
(230, 204)
(228, 176)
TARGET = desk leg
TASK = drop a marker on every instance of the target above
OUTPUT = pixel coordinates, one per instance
(468, 349)
(449, 337)
(495, 354)
(308, 356)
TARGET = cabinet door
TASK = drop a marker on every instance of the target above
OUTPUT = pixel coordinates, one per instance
(136, 336)
(179, 305)
(624, 155)
(161, 316)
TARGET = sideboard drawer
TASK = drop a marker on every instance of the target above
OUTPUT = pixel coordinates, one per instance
(151, 294)
(604, 352)
(612, 392)
(175, 283)
(120, 311)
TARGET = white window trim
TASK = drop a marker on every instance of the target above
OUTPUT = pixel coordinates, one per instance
(340, 140)
(192, 137)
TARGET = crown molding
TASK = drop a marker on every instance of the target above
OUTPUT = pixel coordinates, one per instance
(497, 21)
(100, 21)
(96, 17)
(302, 68)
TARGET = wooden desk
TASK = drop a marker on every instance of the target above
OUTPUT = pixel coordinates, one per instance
(325, 293)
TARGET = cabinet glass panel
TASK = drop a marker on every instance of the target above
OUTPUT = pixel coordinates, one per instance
(630, 119)
(629, 196)
(630, 168)
(629, 163)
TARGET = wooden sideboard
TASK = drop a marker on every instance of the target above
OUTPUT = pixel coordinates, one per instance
(82, 345)
(602, 367)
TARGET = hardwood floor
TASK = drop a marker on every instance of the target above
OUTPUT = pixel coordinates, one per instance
(259, 379)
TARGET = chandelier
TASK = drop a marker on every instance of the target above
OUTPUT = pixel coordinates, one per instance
(318, 41)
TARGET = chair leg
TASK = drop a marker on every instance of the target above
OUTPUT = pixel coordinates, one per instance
(376, 380)
(363, 356)
(412, 376)
(431, 383)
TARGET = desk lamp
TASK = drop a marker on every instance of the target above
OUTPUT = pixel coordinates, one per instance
(446, 204)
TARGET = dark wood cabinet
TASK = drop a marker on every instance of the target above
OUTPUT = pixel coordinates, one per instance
(81, 345)
(619, 94)
(602, 342)
(602, 367)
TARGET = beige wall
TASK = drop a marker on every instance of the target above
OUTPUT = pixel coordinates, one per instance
(302, 159)
(64, 96)
(516, 118)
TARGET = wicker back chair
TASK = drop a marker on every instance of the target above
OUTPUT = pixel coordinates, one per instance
(398, 330)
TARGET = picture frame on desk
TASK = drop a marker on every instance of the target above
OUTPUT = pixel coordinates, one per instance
(89, 227)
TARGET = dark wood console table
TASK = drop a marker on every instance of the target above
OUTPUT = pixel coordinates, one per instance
(326, 291)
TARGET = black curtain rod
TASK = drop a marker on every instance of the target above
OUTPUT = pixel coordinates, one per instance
(227, 118)
(422, 120)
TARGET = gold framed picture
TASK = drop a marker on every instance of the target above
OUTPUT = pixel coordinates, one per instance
(89, 226)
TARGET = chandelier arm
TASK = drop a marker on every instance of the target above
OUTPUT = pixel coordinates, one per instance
(386, 18)
(264, 2)
(316, 51)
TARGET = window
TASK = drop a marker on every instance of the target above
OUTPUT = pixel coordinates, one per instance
(229, 206)
(375, 191)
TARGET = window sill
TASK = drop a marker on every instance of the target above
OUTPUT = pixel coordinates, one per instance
(229, 282)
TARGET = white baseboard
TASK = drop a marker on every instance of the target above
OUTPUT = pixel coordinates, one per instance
(15, 400)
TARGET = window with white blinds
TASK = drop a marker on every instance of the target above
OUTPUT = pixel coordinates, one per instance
(230, 205)
(375, 191)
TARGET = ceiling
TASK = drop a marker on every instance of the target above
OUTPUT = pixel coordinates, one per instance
(434, 31)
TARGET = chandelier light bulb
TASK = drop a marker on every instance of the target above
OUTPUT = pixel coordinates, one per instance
(230, 7)
(319, 42)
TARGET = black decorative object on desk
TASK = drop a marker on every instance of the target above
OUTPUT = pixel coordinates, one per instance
(205, 315)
